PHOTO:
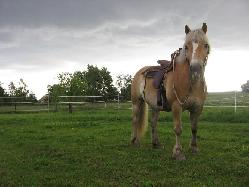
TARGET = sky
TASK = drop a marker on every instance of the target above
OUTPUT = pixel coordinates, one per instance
(40, 39)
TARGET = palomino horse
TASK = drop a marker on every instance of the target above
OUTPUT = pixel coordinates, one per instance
(185, 90)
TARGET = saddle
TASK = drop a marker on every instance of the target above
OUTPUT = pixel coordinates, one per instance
(158, 74)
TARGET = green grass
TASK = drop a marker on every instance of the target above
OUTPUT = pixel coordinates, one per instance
(92, 148)
(227, 99)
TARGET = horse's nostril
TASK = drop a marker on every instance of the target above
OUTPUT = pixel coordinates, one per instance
(195, 68)
(191, 67)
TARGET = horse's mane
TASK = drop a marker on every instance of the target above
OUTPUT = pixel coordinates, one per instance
(196, 35)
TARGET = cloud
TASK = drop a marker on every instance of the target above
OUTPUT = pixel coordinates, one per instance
(50, 46)
(85, 14)
(36, 36)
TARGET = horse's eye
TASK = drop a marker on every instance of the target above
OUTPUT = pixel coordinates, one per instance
(206, 46)
(186, 47)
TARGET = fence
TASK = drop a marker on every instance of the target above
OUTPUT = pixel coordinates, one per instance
(80, 100)
(21, 104)
(235, 100)
(60, 103)
(227, 100)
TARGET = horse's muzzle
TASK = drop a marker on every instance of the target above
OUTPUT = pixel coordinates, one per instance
(196, 71)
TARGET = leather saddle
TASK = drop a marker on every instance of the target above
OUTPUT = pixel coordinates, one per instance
(158, 74)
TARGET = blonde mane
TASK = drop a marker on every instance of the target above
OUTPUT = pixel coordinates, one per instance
(196, 35)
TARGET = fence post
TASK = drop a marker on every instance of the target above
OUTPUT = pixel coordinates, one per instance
(118, 101)
(56, 106)
(235, 101)
(48, 102)
(15, 105)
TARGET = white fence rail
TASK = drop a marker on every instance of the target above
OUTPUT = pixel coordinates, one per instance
(80, 100)
(17, 104)
(233, 100)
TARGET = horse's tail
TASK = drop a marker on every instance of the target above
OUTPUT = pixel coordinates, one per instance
(139, 106)
(140, 113)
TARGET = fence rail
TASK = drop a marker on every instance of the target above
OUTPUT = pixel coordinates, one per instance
(80, 100)
(233, 100)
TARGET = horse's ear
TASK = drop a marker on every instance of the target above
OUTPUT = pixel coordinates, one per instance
(187, 29)
(204, 27)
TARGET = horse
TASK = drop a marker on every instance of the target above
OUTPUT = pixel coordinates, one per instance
(185, 89)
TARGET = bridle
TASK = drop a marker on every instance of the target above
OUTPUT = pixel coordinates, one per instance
(173, 61)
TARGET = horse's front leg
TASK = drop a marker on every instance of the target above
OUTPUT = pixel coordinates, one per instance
(155, 139)
(194, 116)
(177, 113)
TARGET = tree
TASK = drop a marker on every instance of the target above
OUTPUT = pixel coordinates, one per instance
(93, 81)
(55, 91)
(21, 91)
(124, 86)
(245, 87)
(69, 85)
(2, 91)
(108, 91)
(2, 94)
(99, 82)
(12, 89)
(78, 85)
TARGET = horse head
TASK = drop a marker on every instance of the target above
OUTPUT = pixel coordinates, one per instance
(196, 49)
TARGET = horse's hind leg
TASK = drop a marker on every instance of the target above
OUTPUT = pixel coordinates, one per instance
(135, 116)
(194, 116)
(155, 140)
(134, 137)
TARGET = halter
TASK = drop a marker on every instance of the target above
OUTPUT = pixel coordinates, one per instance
(173, 60)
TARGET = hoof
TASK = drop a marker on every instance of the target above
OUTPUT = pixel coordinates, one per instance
(179, 157)
(178, 154)
(135, 142)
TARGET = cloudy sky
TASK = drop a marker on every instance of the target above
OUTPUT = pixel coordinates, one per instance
(41, 38)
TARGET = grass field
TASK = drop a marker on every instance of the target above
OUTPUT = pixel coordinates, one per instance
(92, 148)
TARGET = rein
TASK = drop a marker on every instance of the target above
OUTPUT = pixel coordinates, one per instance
(173, 57)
